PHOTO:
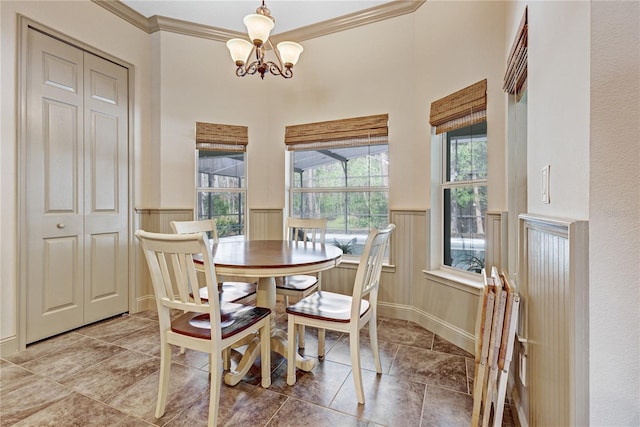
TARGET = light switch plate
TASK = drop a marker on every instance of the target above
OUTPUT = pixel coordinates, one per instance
(545, 184)
(522, 369)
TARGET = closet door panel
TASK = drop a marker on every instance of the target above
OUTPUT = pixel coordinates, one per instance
(106, 188)
(54, 170)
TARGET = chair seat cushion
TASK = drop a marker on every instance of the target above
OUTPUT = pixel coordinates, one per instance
(239, 318)
(231, 291)
(326, 306)
(300, 283)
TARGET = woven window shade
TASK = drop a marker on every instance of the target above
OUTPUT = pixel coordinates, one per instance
(215, 137)
(463, 108)
(516, 74)
(367, 130)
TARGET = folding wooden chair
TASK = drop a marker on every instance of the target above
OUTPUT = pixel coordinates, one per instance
(490, 392)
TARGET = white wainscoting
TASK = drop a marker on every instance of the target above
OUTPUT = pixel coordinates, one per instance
(554, 282)
(266, 224)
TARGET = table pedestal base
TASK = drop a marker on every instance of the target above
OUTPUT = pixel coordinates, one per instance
(278, 344)
(266, 297)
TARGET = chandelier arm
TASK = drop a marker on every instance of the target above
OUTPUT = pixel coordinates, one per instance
(277, 71)
(249, 69)
(287, 73)
(275, 51)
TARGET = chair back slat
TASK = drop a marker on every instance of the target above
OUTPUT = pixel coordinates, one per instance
(368, 274)
(180, 276)
(202, 226)
(194, 291)
(305, 230)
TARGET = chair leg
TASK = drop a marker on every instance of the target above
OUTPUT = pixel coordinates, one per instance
(301, 337)
(373, 337)
(265, 353)
(165, 369)
(354, 349)
(321, 336)
(214, 389)
(226, 359)
(291, 351)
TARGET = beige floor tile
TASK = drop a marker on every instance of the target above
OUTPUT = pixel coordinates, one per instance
(297, 413)
(446, 408)
(63, 361)
(28, 399)
(431, 367)
(389, 401)
(75, 410)
(320, 385)
(341, 353)
(105, 380)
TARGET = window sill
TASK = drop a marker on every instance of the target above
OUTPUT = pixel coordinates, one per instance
(352, 264)
(464, 282)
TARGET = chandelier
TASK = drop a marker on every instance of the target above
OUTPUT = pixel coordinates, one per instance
(259, 25)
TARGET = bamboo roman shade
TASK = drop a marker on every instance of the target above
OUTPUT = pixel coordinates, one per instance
(463, 108)
(355, 131)
(215, 137)
(516, 74)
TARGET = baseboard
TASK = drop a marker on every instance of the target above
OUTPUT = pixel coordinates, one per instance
(8, 346)
(144, 303)
(446, 330)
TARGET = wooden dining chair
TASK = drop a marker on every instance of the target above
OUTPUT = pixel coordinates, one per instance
(235, 292)
(303, 231)
(202, 326)
(343, 313)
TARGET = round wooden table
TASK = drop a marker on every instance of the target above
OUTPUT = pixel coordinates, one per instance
(265, 260)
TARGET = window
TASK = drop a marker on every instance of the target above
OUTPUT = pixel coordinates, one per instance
(464, 197)
(345, 181)
(221, 178)
(460, 194)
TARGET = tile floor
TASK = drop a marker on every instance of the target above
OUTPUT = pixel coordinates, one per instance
(106, 374)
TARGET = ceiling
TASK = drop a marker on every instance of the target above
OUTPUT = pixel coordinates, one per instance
(228, 14)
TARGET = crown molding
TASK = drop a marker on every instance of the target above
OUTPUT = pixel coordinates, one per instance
(335, 25)
(125, 12)
(162, 23)
(352, 20)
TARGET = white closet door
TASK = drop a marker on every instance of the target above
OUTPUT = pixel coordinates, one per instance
(77, 187)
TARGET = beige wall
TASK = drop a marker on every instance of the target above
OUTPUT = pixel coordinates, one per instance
(558, 131)
(614, 214)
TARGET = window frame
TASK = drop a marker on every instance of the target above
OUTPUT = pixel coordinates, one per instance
(445, 184)
(240, 190)
(293, 191)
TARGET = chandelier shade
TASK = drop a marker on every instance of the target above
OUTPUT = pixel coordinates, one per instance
(289, 52)
(240, 50)
(249, 56)
(258, 27)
